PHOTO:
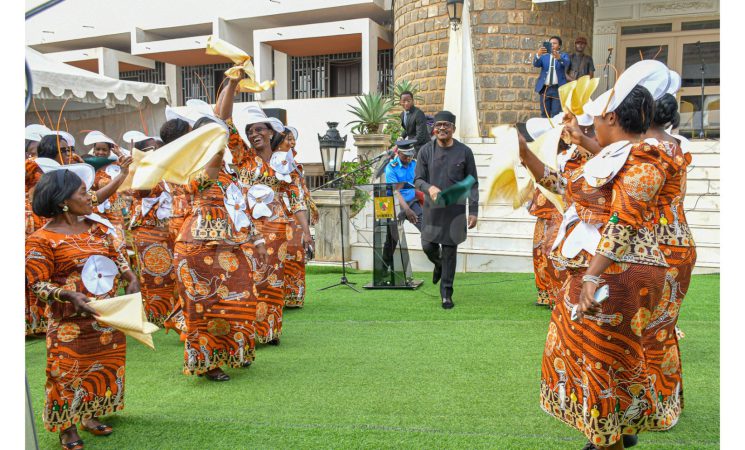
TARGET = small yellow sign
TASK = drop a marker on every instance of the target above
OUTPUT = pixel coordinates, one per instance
(384, 208)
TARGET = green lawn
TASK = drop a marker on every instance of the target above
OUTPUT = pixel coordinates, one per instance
(388, 369)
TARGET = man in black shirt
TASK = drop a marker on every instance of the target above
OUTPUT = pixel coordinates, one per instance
(579, 63)
(413, 121)
(442, 163)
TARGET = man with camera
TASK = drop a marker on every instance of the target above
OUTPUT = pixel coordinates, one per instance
(553, 66)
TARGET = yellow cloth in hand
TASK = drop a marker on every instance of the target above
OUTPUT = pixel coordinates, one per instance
(242, 61)
(126, 314)
(177, 161)
(137, 156)
(502, 184)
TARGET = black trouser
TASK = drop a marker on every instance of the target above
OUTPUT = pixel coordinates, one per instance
(391, 237)
(445, 256)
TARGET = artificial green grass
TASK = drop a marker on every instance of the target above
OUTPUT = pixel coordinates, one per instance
(388, 369)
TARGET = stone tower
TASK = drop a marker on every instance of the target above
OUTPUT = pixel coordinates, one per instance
(505, 36)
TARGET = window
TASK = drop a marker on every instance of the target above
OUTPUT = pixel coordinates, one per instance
(335, 75)
(682, 44)
(203, 82)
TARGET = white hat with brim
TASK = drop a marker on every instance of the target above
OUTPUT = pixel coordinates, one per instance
(136, 137)
(675, 83)
(293, 130)
(173, 114)
(251, 115)
(649, 73)
(585, 120)
(86, 172)
(35, 132)
(540, 125)
(66, 136)
(200, 108)
(95, 137)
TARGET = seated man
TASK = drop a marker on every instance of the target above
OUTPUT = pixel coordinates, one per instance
(401, 170)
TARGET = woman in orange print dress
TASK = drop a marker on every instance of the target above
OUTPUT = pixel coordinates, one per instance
(103, 147)
(594, 372)
(68, 262)
(35, 316)
(215, 276)
(296, 252)
(676, 242)
(264, 193)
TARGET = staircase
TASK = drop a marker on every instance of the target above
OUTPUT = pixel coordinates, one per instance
(503, 238)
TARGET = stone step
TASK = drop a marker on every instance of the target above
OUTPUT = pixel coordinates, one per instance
(474, 241)
(705, 160)
(509, 225)
(706, 202)
(705, 233)
(703, 173)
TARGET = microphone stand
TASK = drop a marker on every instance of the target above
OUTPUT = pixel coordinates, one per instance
(338, 181)
(606, 69)
(703, 68)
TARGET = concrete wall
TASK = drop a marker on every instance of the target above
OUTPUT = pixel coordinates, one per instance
(505, 36)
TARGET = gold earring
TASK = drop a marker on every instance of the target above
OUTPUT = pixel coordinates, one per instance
(65, 208)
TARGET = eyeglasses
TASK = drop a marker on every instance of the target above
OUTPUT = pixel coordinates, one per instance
(445, 125)
(257, 130)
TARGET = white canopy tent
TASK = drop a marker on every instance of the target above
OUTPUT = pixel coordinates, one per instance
(94, 102)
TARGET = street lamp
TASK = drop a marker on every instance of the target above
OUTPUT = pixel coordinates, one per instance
(455, 12)
(332, 149)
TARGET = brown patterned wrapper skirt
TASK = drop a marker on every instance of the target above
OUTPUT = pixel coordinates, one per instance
(596, 374)
(270, 280)
(85, 372)
(548, 279)
(219, 305)
(295, 267)
(157, 276)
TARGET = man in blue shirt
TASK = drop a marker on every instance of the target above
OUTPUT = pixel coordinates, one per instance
(402, 170)
(553, 74)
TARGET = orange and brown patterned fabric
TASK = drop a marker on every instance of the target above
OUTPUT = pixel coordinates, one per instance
(154, 256)
(595, 374)
(548, 219)
(114, 206)
(85, 359)
(34, 310)
(215, 281)
(294, 266)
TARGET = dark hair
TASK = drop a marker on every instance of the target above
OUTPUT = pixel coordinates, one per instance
(173, 129)
(202, 121)
(636, 111)
(52, 189)
(142, 145)
(666, 111)
(28, 144)
(557, 38)
(48, 146)
(406, 93)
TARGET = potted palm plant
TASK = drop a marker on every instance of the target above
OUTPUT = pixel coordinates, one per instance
(372, 112)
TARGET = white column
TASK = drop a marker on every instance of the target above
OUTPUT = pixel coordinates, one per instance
(282, 75)
(370, 59)
(460, 88)
(108, 64)
(263, 67)
(174, 83)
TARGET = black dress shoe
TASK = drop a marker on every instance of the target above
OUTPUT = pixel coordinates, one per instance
(447, 303)
(436, 274)
(630, 440)
(274, 341)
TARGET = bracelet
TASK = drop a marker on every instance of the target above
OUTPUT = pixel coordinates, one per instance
(592, 279)
(56, 295)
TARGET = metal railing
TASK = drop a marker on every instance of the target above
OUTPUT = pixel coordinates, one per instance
(155, 76)
(203, 81)
(310, 76)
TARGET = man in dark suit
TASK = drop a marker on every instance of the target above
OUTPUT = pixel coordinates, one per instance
(413, 121)
(553, 74)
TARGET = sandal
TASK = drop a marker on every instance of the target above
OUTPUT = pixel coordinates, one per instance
(274, 341)
(100, 430)
(222, 376)
(75, 445)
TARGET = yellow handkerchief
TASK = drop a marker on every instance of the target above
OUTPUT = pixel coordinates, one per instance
(177, 161)
(137, 156)
(126, 314)
(216, 46)
(502, 182)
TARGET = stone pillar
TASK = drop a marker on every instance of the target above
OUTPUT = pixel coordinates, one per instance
(371, 145)
(369, 67)
(328, 240)
(282, 75)
(263, 68)
(108, 63)
(174, 83)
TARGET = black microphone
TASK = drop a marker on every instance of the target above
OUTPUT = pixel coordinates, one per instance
(386, 156)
